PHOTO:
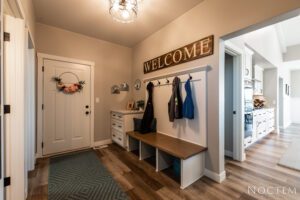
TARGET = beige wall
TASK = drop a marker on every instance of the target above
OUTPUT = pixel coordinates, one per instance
(216, 17)
(113, 66)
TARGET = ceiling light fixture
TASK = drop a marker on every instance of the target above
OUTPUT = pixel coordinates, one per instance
(124, 11)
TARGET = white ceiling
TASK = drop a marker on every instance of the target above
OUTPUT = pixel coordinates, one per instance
(290, 31)
(292, 65)
(262, 61)
(91, 18)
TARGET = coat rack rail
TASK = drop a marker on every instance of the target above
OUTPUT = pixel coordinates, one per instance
(182, 82)
(177, 73)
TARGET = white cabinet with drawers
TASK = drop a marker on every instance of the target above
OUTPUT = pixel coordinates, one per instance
(263, 124)
(122, 122)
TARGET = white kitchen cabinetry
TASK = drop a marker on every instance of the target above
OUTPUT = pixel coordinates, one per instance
(263, 124)
(122, 122)
(258, 80)
(248, 64)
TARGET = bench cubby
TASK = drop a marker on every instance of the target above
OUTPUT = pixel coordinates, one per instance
(134, 146)
(148, 153)
(180, 160)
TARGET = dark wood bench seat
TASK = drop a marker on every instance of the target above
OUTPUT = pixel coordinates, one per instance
(173, 146)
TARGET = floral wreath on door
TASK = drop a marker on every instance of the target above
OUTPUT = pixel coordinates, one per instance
(68, 88)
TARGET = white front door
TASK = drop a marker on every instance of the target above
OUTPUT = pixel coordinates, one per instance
(66, 122)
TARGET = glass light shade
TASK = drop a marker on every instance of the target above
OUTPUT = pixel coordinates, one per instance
(124, 11)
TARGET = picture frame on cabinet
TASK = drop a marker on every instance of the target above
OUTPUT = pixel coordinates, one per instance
(130, 105)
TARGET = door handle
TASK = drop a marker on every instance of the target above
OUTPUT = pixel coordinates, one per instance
(87, 106)
(87, 112)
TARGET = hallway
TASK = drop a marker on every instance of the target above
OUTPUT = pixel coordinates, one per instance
(140, 181)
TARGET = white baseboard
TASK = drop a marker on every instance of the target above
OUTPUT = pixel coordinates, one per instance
(228, 153)
(96, 143)
(102, 142)
(219, 178)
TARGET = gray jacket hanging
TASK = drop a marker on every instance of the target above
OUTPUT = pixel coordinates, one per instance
(175, 103)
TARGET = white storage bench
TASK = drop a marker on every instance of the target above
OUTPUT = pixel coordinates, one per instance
(161, 150)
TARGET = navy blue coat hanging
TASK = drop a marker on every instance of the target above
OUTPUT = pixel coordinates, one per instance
(175, 103)
(149, 112)
(188, 105)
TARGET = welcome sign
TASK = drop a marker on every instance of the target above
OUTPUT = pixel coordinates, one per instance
(193, 51)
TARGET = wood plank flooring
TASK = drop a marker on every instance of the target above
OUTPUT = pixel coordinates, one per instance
(140, 181)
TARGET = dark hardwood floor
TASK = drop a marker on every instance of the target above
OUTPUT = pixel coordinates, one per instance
(140, 181)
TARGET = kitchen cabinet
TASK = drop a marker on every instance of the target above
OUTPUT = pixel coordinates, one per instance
(248, 64)
(258, 79)
(263, 124)
(122, 122)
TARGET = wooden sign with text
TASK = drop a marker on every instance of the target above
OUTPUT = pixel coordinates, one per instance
(196, 50)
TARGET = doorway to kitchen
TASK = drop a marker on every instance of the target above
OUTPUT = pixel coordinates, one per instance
(233, 103)
(269, 78)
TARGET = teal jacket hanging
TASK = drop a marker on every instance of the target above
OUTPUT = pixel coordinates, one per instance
(188, 105)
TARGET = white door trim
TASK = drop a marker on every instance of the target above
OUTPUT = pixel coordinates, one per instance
(238, 124)
(40, 84)
(2, 149)
(14, 123)
(30, 106)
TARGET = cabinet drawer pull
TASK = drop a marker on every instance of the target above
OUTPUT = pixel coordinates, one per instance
(120, 139)
(113, 124)
(120, 126)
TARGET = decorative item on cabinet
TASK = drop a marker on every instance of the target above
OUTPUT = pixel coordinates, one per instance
(130, 105)
(139, 105)
(259, 102)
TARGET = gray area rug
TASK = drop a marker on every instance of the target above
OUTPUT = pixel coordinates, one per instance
(81, 176)
(291, 158)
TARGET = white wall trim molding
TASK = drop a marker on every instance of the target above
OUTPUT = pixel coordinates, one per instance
(60, 58)
(219, 178)
(238, 128)
(102, 142)
(14, 95)
(41, 57)
(16, 8)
